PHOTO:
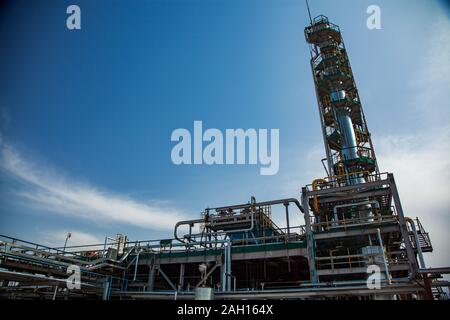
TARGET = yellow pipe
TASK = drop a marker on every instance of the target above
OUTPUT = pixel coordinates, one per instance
(348, 174)
(315, 201)
(316, 183)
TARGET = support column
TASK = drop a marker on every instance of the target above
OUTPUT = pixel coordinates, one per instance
(181, 280)
(409, 250)
(286, 205)
(223, 276)
(385, 264)
(229, 266)
(151, 278)
(426, 283)
(106, 288)
(161, 272)
(309, 238)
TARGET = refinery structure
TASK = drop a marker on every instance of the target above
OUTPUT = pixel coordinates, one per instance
(355, 229)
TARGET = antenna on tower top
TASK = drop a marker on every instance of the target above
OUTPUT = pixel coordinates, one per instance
(309, 12)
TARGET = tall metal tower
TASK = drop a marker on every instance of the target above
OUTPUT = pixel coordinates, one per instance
(356, 210)
(348, 145)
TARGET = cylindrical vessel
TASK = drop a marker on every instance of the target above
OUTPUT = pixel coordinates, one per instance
(204, 293)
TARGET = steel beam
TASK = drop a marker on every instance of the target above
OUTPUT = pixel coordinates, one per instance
(207, 276)
(360, 187)
(310, 238)
(401, 217)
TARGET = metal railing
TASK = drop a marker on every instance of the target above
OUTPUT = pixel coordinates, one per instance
(344, 223)
(345, 180)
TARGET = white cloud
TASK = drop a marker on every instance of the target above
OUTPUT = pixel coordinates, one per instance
(421, 159)
(52, 192)
(432, 81)
(421, 167)
(303, 168)
(57, 238)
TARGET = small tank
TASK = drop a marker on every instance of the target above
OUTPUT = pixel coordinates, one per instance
(204, 293)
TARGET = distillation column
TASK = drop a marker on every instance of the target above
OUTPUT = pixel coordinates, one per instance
(354, 194)
(347, 140)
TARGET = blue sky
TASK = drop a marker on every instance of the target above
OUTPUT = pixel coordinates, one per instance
(86, 116)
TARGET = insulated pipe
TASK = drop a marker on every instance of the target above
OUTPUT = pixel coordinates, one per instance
(136, 265)
(287, 218)
(229, 265)
(188, 222)
(364, 203)
(224, 269)
(123, 257)
(349, 144)
(309, 239)
(252, 225)
(235, 207)
(315, 184)
(416, 238)
(54, 293)
(386, 269)
(106, 289)
(348, 136)
(261, 204)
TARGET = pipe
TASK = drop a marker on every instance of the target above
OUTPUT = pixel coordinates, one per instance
(189, 222)
(106, 289)
(349, 145)
(262, 204)
(101, 265)
(124, 256)
(224, 270)
(54, 293)
(309, 239)
(181, 279)
(380, 240)
(347, 134)
(205, 278)
(363, 203)
(311, 291)
(136, 265)
(252, 224)
(229, 265)
(253, 203)
(315, 184)
(287, 218)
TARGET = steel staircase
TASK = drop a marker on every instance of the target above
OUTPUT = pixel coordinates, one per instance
(424, 238)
